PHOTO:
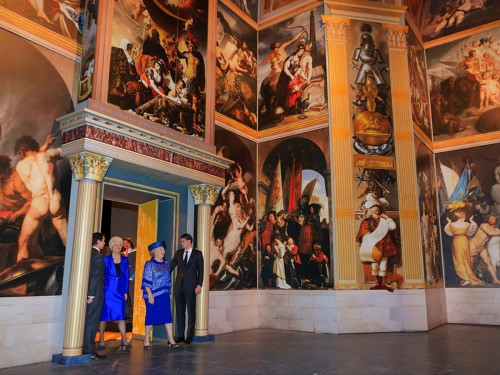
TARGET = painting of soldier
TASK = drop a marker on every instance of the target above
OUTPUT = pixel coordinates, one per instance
(371, 110)
(236, 68)
(157, 67)
(63, 17)
(233, 240)
(292, 68)
(378, 236)
(420, 107)
(464, 83)
(294, 228)
(35, 181)
(468, 184)
(429, 217)
(447, 17)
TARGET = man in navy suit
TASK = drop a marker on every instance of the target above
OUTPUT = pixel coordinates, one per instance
(187, 285)
(95, 296)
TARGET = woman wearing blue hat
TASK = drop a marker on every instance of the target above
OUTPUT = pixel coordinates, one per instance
(156, 292)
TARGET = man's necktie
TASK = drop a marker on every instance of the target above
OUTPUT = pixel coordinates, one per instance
(185, 259)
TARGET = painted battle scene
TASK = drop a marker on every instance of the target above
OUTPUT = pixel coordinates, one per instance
(233, 242)
(250, 7)
(448, 17)
(428, 215)
(468, 184)
(236, 68)
(420, 107)
(292, 66)
(35, 181)
(464, 83)
(157, 67)
(63, 17)
(294, 223)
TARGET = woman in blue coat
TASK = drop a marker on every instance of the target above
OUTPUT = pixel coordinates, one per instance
(156, 293)
(116, 284)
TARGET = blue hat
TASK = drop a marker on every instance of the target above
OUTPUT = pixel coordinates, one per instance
(156, 244)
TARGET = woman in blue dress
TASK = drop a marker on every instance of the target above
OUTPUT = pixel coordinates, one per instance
(116, 284)
(156, 292)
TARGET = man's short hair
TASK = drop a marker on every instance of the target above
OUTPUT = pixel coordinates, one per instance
(187, 237)
(97, 236)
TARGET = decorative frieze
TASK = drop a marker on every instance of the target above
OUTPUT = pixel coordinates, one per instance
(143, 148)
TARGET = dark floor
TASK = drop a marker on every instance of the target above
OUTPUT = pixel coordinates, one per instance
(450, 349)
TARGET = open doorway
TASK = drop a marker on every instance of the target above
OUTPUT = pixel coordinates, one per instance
(143, 214)
(120, 219)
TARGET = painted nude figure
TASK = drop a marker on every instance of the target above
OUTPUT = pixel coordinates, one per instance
(36, 171)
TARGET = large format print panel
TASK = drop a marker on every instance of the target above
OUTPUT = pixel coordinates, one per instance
(34, 180)
(420, 108)
(157, 65)
(63, 17)
(464, 81)
(429, 217)
(468, 183)
(233, 246)
(443, 18)
(294, 212)
(292, 72)
(236, 68)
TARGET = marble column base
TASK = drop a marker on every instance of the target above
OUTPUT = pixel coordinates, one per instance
(69, 361)
(206, 338)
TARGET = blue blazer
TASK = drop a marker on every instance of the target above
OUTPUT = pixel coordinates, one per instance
(115, 288)
(120, 283)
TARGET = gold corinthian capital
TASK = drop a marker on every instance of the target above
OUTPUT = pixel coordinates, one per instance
(90, 166)
(204, 193)
(336, 28)
(396, 35)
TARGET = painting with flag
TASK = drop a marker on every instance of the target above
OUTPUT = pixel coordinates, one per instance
(293, 197)
(468, 185)
(275, 201)
(295, 186)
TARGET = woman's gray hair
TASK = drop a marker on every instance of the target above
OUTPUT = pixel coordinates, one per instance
(114, 240)
(152, 251)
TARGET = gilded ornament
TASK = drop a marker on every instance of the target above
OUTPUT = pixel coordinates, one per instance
(89, 166)
(204, 193)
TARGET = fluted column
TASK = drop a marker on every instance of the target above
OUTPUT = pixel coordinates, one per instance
(405, 156)
(204, 196)
(88, 170)
(341, 150)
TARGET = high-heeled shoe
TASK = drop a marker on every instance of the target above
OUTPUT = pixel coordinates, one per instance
(101, 347)
(125, 346)
(175, 345)
(147, 347)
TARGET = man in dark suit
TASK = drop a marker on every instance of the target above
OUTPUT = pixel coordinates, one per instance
(187, 285)
(95, 296)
